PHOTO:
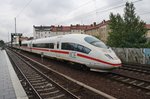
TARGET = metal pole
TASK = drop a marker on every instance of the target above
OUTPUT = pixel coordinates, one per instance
(15, 25)
(8, 36)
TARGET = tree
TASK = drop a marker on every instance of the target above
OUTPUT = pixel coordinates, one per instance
(1, 43)
(127, 31)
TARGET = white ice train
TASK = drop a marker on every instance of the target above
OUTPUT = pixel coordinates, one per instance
(77, 48)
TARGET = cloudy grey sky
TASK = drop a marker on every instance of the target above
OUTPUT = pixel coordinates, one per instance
(60, 12)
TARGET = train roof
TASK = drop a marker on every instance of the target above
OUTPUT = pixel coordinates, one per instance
(66, 37)
(24, 42)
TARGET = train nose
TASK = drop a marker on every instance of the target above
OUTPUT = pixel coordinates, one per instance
(114, 60)
(117, 63)
(112, 57)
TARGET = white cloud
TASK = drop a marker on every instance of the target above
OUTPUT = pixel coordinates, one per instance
(59, 12)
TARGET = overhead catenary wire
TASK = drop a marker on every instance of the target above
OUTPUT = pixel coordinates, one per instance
(102, 9)
(88, 13)
(99, 10)
(23, 8)
(76, 8)
(80, 6)
(20, 13)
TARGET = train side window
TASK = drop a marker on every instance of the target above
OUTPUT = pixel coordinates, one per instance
(68, 46)
(71, 46)
(64, 46)
(86, 50)
(41, 45)
(80, 48)
(75, 47)
(51, 45)
(24, 44)
(34, 45)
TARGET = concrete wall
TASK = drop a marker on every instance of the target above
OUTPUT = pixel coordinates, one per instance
(133, 55)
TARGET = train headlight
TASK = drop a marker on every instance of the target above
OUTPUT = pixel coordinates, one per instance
(108, 56)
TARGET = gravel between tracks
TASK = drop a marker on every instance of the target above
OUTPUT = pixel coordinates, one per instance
(94, 79)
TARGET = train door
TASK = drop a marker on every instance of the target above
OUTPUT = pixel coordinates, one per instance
(57, 47)
(30, 46)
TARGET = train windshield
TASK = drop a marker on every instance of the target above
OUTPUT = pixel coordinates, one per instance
(96, 42)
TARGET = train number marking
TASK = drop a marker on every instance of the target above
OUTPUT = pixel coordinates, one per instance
(72, 54)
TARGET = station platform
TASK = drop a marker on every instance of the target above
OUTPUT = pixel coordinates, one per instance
(10, 86)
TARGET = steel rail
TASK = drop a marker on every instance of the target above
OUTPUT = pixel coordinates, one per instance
(66, 91)
(139, 83)
(66, 77)
(24, 76)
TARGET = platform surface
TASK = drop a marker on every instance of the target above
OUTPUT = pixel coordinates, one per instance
(10, 86)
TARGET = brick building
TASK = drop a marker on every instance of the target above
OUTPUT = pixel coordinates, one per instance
(48, 31)
(99, 30)
(148, 33)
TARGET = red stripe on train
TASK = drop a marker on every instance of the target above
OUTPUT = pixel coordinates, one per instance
(58, 51)
(98, 60)
(41, 49)
(78, 54)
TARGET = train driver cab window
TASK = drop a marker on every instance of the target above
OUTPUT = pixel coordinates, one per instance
(95, 42)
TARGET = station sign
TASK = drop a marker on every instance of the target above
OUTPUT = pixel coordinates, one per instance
(16, 34)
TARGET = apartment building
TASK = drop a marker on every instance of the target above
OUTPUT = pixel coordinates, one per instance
(99, 30)
(48, 31)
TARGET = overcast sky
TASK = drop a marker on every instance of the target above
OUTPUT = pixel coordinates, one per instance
(60, 12)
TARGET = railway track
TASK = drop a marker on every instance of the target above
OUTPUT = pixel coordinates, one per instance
(43, 86)
(136, 68)
(48, 83)
(131, 81)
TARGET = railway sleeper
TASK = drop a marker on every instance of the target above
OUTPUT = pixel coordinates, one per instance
(43, 86)
(51, 94)
(61, 96)
(133, 82)
(40, 83)
(140, 84)
(148, 87)
(45, 89)
(35, 75)
(37, 81)
(39, 87)
(33, 79)
(54, 91)
(125, 80)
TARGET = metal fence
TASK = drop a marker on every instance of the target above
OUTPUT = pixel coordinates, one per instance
(133, 55)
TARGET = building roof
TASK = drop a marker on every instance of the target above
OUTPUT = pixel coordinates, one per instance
(96, 26)
(62, 28)
(147, 26)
